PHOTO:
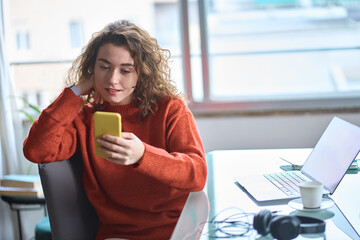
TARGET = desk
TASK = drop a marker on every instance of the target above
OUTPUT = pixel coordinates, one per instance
(223, 194)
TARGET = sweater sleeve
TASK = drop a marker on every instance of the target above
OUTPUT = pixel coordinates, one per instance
(182, 165)
(52, 136)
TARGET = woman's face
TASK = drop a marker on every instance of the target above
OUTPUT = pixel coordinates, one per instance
(115, 75)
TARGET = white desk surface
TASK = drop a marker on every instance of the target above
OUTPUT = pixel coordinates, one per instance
(223, 195)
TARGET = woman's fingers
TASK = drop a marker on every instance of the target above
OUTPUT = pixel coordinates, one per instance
(124, 150)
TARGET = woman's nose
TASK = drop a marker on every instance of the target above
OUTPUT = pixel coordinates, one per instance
(115, 77)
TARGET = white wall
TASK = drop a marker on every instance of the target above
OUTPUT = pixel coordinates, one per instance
(275, 131)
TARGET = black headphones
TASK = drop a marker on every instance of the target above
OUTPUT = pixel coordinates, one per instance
(286, 227)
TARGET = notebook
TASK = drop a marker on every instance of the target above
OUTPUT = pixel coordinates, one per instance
(327, 163)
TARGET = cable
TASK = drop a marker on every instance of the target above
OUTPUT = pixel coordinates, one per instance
(230, 226)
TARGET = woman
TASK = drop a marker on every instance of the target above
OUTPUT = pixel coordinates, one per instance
(139, 191)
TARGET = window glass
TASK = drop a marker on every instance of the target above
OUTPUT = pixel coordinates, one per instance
(54, 32)
(281, 49)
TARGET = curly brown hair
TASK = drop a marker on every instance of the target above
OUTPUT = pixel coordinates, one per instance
(151, 63)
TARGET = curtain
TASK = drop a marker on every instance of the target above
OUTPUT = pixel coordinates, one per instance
(10, 125)
(10, 130)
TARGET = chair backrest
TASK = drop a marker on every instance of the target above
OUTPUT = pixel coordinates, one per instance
(72, 217)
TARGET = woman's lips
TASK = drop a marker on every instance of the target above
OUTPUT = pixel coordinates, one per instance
(113, 91)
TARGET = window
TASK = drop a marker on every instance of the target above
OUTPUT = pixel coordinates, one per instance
(39, 74)
(22, 41)
(277, 54)
(76, 34)
(243, 55)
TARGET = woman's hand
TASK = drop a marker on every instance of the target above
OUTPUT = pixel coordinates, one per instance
(125, 150)
(87, 86)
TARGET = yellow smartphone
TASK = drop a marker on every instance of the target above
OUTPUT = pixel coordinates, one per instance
(106, 123)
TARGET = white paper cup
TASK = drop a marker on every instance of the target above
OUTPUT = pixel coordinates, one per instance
(311, 194)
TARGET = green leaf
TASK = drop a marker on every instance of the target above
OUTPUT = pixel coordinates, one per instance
(35, 108)
(31, 105)
(31, 118)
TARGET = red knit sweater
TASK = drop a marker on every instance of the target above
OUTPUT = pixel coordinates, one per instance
(141, 202)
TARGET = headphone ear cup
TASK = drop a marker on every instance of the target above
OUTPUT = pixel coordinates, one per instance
(285, 227)
(261, 222)
(311, 225)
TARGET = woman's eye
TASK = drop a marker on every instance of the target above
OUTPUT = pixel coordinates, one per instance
(126, 71)
(105, 67)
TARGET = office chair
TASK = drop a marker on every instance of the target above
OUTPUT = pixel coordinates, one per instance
(71, 215)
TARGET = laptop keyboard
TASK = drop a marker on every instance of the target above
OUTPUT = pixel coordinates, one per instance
(287, 182)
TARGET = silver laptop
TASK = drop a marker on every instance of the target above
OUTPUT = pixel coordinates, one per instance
(327, 163)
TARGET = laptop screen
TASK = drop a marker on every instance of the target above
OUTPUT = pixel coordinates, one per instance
(333, 154)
